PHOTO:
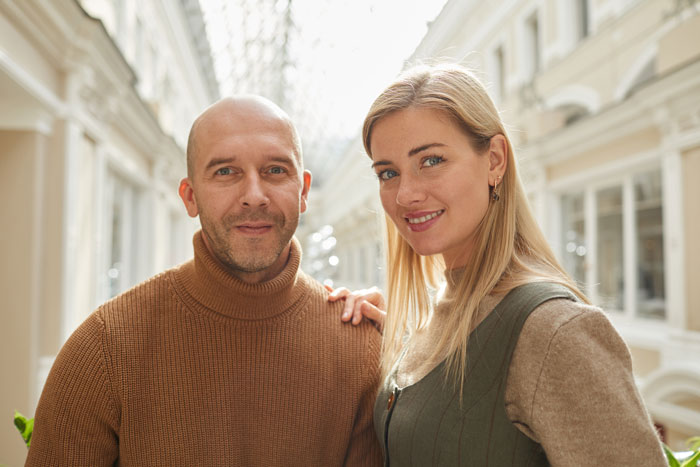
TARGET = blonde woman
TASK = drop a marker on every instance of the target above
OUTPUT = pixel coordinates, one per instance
(510, 364)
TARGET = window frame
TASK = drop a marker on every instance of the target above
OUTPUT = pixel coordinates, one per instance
(617, 173)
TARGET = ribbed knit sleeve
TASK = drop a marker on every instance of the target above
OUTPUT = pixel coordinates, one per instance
(364, 448)
(77, 420)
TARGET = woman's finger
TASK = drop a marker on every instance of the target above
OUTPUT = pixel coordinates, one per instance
(350, 300)
(375, 314)
(337, 294)
(374, 296)
(357, 314)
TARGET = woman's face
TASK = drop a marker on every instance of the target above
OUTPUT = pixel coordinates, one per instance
(433, 185)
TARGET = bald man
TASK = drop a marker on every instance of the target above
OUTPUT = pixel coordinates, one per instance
(233, 358)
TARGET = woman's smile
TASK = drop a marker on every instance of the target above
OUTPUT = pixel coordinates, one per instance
(421, 221)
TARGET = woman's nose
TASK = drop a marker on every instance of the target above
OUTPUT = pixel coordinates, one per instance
(410, 191)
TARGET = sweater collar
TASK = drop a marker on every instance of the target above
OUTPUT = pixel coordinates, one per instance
(449, 288)
(208, 283)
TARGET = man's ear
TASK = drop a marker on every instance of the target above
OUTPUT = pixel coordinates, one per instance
(187, 195)
(306, 180)
(498, 157)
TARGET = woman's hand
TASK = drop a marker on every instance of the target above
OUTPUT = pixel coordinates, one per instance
(367, 303)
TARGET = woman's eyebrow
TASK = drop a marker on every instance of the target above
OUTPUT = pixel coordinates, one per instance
(423, 147)
(412, 152)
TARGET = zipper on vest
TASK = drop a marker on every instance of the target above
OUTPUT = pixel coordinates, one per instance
(391, 404)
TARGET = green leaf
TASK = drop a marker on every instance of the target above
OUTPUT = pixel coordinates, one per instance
(692, 461)
(20, 423)
(25, 427)
(693, 443)
(672, 461)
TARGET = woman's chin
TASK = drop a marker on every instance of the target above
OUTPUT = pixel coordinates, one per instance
(425, 250)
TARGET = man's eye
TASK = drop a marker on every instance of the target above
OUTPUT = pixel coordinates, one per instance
(224, 171)
(277, 170)
(387, 174)
(432, 161)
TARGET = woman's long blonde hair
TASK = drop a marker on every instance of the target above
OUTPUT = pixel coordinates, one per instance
(510, 249)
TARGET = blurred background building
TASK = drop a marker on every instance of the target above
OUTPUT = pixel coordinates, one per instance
(96, 101)
(602, 98)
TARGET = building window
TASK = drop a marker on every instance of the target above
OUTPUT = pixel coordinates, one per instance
(125, 246)
(648, 212)
(362, 257)
(581, 26)
(120, 20)
(612, 244)
(138, 45)
(574, 241)
(498, 69)
(378, 278)
(116, 272)
(609, 248)
(532, 44)
(351, 265)
(177, 239)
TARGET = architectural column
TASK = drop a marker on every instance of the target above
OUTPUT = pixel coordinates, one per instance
(674, 258)
(22, 176)
(673, 222)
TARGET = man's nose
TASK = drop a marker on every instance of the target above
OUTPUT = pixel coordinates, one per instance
(254, 192)
(410, 191)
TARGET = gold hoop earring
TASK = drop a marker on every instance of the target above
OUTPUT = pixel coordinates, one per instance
(494, 193)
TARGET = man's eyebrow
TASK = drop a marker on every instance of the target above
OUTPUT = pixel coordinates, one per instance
(415, 151)
(283, 159)
(227, 160)
(218, 161)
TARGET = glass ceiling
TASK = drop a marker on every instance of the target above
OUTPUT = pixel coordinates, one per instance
(323, 61)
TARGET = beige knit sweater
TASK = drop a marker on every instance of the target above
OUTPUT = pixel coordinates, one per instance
(195, 368)
(570, 385)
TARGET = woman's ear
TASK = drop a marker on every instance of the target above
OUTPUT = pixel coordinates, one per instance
(498, 157)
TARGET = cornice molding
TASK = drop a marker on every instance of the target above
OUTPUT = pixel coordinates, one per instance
(642, 109)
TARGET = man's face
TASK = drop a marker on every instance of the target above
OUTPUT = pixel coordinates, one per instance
(248, 189)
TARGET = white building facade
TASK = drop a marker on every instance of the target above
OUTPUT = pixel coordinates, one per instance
(97, 97)
(602, 98)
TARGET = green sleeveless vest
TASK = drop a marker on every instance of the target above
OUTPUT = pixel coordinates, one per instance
(425, 425)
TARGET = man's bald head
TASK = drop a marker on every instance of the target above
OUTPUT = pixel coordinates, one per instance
(234, 111)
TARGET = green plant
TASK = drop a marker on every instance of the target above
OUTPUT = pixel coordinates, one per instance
(25, 427)
(689, 461)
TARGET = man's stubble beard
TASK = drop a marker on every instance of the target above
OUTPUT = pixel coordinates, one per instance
(248, 255)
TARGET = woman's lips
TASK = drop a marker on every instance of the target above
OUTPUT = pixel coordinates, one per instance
(421, 221)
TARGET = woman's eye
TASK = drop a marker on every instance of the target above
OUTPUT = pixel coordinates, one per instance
(432, 161)
(224, 171)
(387, 174)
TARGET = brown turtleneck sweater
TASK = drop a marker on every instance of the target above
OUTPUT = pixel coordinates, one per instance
(194, 367)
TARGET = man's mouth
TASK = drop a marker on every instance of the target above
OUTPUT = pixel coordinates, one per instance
(254, 227)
